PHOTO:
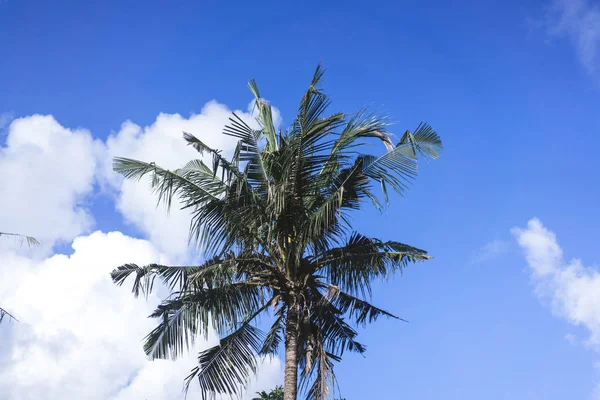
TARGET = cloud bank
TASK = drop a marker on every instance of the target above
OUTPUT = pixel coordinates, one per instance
(80, 336)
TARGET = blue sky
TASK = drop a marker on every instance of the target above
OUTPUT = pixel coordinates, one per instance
(512, 88)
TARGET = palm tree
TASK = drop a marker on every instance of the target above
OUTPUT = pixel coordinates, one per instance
(275, 394)
(274, 224)
(31, 241)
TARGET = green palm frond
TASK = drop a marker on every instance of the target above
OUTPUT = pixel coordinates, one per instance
(424, 141)
(360, 311)
(175, 277)
(177, 331)
(190, 313)
(265, 117)
(166, 184)
(275, 334)
(225, 368)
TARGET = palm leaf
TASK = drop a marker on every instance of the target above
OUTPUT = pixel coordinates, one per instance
(225, 368)
(6, 314)
(424, 141)
(166, 184)
(265, 117)
(31, 241)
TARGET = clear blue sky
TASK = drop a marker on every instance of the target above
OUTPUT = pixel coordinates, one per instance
(515, 106)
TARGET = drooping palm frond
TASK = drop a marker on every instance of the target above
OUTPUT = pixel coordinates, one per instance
(6, 314)
(274, 224)
(225, 368)
(31, 241)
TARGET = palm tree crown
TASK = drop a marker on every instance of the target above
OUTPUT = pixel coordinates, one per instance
(274, 224)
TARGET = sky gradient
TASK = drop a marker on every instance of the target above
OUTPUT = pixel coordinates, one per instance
(506, 309)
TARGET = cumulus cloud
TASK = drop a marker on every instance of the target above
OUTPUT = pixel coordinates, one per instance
(580, 21)
(47, 172)
(79, 336)
(572, 289)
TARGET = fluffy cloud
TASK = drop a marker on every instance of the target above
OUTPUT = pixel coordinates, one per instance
(572, 288)
(80, 335)
(580, 21)
(47, 171)
(162, 142)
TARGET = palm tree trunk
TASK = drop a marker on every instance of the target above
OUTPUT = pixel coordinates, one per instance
(290, 381)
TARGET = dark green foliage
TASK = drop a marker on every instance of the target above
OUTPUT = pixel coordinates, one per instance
(274, 224)
(275, 394)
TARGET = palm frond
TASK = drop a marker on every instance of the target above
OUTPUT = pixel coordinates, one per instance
(361, 311)
(265, 117)
(353, 266)
(225, 368)
(166, 184)
(6, 314)
(424, 141)
(175, 277)
(31, 241)
(188, 314)
(275, 334)
(177, 331)
(228, 168)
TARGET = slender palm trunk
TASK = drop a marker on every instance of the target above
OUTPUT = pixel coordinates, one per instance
(290, 381)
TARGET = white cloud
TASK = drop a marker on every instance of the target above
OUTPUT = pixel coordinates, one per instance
(489, 251)
(580, 21)
(80, 335)
(572, 288)
(162, 142)
(47, 171)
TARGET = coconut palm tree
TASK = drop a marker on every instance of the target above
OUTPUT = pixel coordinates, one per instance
(275, 394)
(31, 241)
(273, 221)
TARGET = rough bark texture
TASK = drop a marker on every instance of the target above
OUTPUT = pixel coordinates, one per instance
(290, 382)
